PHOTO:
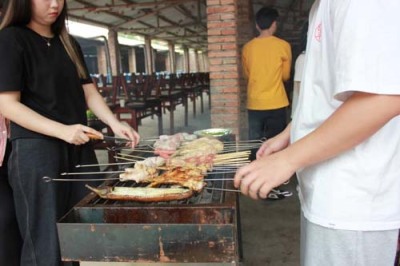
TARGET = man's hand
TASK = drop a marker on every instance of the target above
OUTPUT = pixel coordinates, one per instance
(258, 178)
(275, 144)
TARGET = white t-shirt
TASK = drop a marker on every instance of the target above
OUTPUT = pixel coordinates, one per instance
(353, 45)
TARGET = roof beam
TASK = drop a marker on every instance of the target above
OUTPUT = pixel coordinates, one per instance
(107, 7)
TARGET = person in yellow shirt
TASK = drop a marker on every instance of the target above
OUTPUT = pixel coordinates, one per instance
(266, 65)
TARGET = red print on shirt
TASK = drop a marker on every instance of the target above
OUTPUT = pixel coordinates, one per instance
(318, 32)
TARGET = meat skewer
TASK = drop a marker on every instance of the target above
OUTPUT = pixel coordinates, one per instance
(48, 179)
(100, 164)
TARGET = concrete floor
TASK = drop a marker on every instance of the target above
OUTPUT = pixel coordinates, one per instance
(270, 229)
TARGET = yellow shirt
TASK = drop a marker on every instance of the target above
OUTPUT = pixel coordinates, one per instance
(266, 63)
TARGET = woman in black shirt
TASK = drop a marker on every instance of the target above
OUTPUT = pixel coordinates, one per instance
(44, 90)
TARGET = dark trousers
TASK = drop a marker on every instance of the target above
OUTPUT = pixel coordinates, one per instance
(40, 205)
(266, 124)
(10, 239)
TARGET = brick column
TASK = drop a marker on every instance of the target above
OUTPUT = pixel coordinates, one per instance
(246, 31)
(224, 64)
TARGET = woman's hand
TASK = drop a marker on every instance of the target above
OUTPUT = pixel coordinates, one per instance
(76, 134)
(125, 131)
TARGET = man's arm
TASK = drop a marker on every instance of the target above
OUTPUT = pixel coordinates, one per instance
(353, 122)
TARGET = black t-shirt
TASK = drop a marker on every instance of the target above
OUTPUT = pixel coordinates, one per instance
(45, 75)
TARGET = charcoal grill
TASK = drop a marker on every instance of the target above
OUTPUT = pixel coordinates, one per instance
(202, 229)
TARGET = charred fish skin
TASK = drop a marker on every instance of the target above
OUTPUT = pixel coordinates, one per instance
(142, 194)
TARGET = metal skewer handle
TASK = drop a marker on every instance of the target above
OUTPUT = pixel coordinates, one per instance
(93, 173)
(48, 179)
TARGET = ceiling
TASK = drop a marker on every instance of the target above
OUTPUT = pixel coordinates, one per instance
(183, 22)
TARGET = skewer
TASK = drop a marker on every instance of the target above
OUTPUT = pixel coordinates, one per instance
(131, 156)
(93, 173)
(220, 173)
(237, 163)
(49, 179)
(143, 150)
(218, 179)
(100, 164)
(225, 168)
(246, 141)
(126, 159)
(224, 189)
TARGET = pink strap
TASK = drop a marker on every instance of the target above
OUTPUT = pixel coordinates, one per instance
(3, 138)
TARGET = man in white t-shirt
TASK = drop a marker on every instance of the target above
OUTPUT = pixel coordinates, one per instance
(345, 137)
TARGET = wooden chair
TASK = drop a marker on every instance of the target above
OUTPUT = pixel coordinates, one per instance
(170, 98)
(141, 102)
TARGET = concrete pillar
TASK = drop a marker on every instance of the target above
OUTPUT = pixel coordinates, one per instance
(115, 56)
(132, 60)
(206, 62)
(197, 60)
(179, 63)
(102, 60)
(171, 58)
(148, 56)
(186, 63)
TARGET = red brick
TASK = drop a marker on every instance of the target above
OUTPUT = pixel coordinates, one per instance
(221, 9)
(229, 46)
(214, 47)
(213, 2)
(227, 16)
(231, 90)
(215, 76)
(231, 75)
(221, 39)
(214, 17)
(224, 75)
(221, 24)
(229, 31)
(215, 61)
(227, 2)
(223, 68)
(228, 61)
(225, 82)
(214, 32)
(212, 54)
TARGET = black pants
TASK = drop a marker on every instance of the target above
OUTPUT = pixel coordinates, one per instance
(40, 205)
(266, 124)
(10, 239)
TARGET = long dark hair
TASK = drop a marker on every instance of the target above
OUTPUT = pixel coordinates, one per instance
(19, 13)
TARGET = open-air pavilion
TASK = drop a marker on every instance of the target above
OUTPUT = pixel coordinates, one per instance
(184, 36)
